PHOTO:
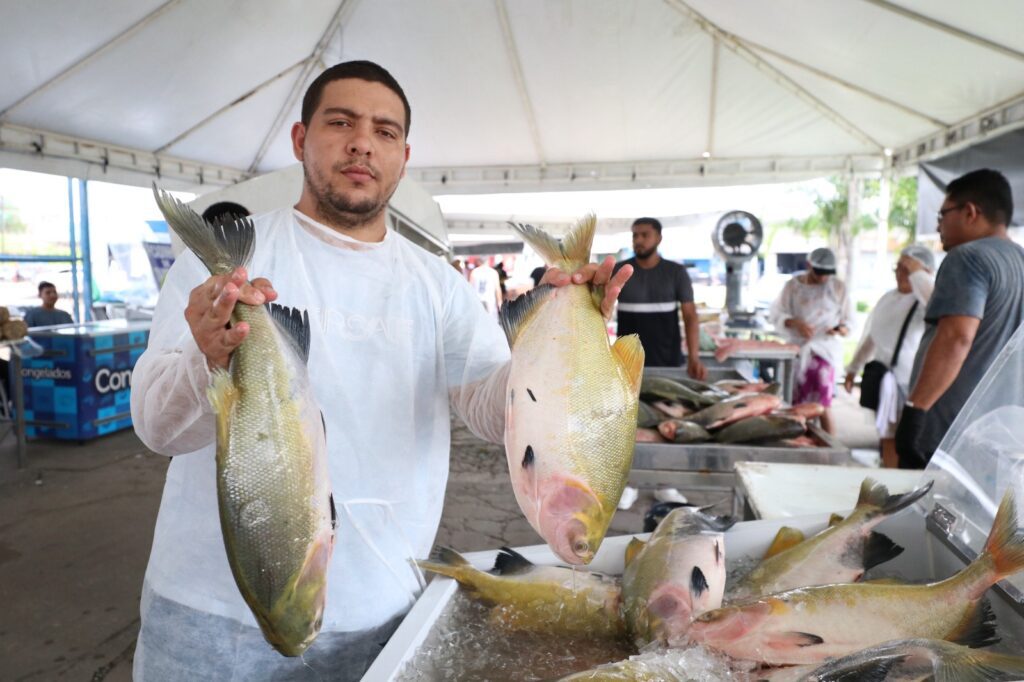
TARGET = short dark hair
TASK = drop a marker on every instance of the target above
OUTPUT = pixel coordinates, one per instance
(46, 285)
(224, 212)
(361, 69)
(988, 190)
(653, 222)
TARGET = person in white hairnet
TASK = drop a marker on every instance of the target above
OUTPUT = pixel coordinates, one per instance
(813, 311)
(397, 337)
(891, 337)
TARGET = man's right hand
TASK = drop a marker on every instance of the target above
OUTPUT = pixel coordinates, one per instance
(802, 328)
(209, 313)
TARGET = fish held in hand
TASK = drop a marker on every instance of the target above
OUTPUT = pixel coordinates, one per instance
(679, 573)
(841, 553)
(571, 404)
(533, 598)
(810, 624)
(273, 492)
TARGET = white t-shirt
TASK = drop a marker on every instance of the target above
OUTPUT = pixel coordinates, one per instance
(396, 333)
(485, 282)
(822, 306)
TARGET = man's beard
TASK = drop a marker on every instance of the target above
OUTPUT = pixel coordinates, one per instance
(644, 255)
(335, 209)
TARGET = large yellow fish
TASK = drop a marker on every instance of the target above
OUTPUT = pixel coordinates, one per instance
(571, 403)
(273, 492)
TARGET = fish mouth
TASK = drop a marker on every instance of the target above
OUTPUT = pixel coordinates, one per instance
(570, 520)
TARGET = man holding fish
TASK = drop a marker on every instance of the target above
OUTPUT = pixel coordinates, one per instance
(384, 338)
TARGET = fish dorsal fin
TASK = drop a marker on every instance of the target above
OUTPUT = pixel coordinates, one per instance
(516, 314)
(221, 247)
(630, 353)
(834, 519)
(978, 628)
(510, 562)
(878, 549)
(568, 254)
(294, 323)
(634, 548)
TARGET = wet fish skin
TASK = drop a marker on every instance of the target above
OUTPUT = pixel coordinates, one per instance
(735, 409)
(528, 597)
(811, 624)
(761, 427)
(273, 492)
(678, 574)
(683, 431)
(655, 387)
(647, 417)
(838, 554)
(571, 403)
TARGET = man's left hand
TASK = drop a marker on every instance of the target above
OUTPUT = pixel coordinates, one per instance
(841, 330)
(598, 274)
(696, 369)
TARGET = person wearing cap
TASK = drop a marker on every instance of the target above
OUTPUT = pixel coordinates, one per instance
(977, 306)
(813, 311)
(898, 313)
(651, 301)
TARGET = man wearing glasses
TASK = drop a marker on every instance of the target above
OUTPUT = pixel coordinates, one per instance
(977, 305)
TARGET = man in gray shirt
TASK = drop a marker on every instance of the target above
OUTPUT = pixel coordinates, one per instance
(48, 313)
(977, 305)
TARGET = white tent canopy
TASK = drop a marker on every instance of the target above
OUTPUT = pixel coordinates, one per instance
(512, 95)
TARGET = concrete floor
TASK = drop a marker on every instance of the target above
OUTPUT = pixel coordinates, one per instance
(76, 527)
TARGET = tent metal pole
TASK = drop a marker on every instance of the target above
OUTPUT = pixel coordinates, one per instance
(230, 105)
(946, 28)
(92, 56)
(512, 52)
(83, 209)
(74, 250)
(345, 8)
(839, 81)
(772, 72)
(709, 148)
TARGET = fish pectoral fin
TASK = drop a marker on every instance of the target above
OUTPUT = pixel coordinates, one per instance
(978, 627)
(222, 395)
(517, 313)
(878, 549)
(630, 353)
(634, 548)
(791, 639)
(294, 324)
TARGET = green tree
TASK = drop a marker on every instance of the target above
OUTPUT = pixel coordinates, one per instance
(834, 220)
(903, 208)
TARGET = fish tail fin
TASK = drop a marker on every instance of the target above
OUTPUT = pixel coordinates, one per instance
(222, 247)
(875, 494)
(446, 561)
(967, 665)
(1005, 544)
(222, 395)
(878, 549)
(630, 354)
(569, 253)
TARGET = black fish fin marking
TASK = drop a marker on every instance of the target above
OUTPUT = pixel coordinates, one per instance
(978, 627)
(698, 583)
(873, 671)
(878, 549)
(510, 562)
(532, 396)
(528, 457)
(334, 512)
(785, 640)
(516, 314)
(221, 247)
(294, 324)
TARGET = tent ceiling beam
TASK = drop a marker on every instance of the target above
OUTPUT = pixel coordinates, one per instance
(345, 8)
(1002, 118)
(846, 84)
(637, 174)
(512, 52)
(736, 45)
(709, 148)
(230, 105)
(92, 56)
(44, 144)
(946, 28)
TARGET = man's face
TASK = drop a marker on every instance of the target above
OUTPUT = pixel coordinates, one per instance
(353, 152)
(645, 240)
(954, 223)
(903, 279)
(49, 296)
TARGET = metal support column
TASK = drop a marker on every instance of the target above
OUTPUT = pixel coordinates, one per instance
(83, 221)
(74, 249)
